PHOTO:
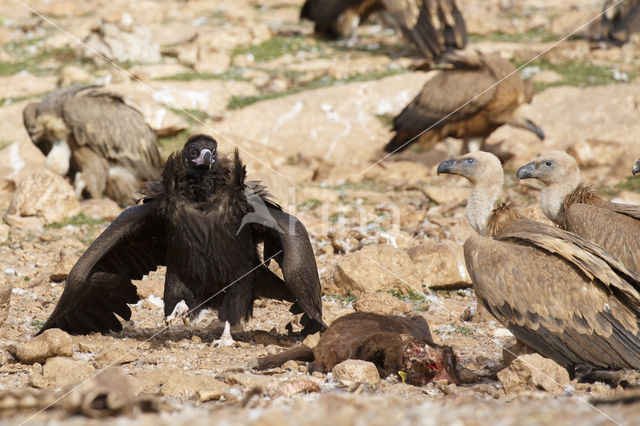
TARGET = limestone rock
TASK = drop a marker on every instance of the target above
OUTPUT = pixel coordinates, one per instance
(121, 42)
(44, 194)
(288, 388)
(381, 303)
(107, 394)
(379, 267)
(100, 208)
(25, 84)
(593, 152)
(512, 351)
(4, 232)
(531, 372)
(447, 194)
(5, 298)
(354, 371)
(51, 343)
(73, 74)
(183, 385)
(59, 372)
(66, 259)
(441, 264)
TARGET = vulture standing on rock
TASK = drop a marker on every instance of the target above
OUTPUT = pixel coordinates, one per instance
(578, 208)
(433, 26)
(448, 106)
(91, 136)
(561, 295)
(204, 222)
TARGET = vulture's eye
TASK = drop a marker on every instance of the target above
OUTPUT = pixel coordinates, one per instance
(193, 152)
(548, 163)
(469, 160)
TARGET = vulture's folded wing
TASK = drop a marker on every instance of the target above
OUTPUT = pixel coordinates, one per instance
(631, 210)
(433, 26)
(547, 301)
(286, 240)
(99, 285)
(102, 121)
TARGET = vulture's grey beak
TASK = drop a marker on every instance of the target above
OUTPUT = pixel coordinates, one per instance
(535, 129)
(636, 167)
(446, 166)
(205, 158)
(527, 171)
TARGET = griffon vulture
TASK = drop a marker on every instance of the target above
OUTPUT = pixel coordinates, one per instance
(396, 345)
(91, 136)
(578, 208)
(446, 105)
(561, 295)
(619, 20)
(204, 222)
(433, 26)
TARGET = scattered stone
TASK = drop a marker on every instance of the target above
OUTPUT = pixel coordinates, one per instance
(446, 194)
(51, 343)
(290, 365)
(594, 152)
(44, 194)
(514, 350)
(4, 232)
(66, 259)
(183, 385)
(5, 297)
(382, 303)
(25, 84)
(100, 208)
(441, 264)
(547, 76)
(288, 388)
(30, 223)
(115, 356)
(248, 380)
(73, 74)
(107, 394)
(375, 268)
(354, 371)
(531, 372)
(58, 372)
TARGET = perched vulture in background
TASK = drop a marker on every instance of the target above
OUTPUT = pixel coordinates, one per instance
(578, 208)
(636, 167)
(561, 295)
(620, 20)
(446, 105)
(204, 222)
(433, 26)
(91, 136)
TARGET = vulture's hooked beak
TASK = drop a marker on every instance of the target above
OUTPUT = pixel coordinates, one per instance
(636, 167)
(205, 158)
(527, 171)
(535, 129)
(446, 167)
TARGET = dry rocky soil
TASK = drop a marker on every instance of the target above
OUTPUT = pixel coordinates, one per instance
(310, 117)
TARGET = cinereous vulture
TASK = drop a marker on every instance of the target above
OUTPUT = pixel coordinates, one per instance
(204, 222)
(578, 208)
(561, 295)
(433, 26)
(395, 344)
(90, 135)
(502, 99)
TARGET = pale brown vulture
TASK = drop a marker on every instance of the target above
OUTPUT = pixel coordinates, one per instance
(91, 136)
(619, 20)
(578, 208)
(561, 295)
(446, 105)
(433, 26)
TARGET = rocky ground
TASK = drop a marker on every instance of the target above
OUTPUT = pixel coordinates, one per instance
(310, 117)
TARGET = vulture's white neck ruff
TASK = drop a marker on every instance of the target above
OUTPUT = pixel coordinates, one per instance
(552, 198)
(58, 158)
(481, 203)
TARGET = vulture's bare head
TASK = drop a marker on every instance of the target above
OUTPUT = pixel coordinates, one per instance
(552, 168)
(636, 167)
(31, 123)
(485, 172)
(200, 152)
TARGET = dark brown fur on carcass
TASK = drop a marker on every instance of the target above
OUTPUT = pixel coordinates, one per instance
(392, 343)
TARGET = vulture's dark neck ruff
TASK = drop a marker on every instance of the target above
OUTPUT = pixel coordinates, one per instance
(200, 223)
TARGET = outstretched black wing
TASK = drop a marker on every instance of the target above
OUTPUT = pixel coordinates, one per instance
(99, 285)
(287, 242)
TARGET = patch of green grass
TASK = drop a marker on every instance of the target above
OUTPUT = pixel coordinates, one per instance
(631, 184)
(537, 35)
(309, 205)
(233, 73)
(346, 298)
(386, 119)
(77, 220)
(334, 218)
(33, 63)
(4, 144)
(450, 329)
(276, 47)
(417, 299)
(37, 323)
(579, 74)
(363, 185)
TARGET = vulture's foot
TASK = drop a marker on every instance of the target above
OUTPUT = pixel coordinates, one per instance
(180, 311)
(225, 339)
